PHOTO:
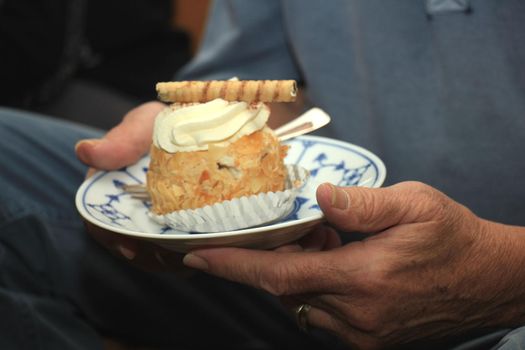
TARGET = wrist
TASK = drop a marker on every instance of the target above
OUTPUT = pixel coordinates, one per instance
(503, 280)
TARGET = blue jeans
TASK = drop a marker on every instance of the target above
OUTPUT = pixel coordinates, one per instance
(61, 290)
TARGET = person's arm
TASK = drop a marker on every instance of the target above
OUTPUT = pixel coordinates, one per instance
(430, 269)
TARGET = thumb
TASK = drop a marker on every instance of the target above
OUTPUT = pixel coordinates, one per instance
(360, 209)
(125, 143)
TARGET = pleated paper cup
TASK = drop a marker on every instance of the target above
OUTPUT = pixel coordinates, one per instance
(239, 213)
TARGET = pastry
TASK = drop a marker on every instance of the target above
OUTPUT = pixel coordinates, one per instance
(212, 143)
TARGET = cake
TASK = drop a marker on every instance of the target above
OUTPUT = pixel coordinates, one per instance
(212, 143)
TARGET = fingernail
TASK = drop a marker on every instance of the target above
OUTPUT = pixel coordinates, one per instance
(81, 154)
(90, 142)
(194, 261)
(127, 253)
(340, 198)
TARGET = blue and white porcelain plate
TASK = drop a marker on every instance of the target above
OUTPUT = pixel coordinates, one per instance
(102, 201)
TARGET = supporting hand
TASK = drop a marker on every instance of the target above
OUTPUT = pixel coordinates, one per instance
(429, 269)
(121, 146)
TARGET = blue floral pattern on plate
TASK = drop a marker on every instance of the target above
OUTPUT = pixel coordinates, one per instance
(102, 200)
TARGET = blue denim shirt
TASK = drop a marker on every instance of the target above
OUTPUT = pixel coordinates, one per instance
(435, 88)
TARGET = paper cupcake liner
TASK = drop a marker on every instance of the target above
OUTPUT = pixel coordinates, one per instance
(238, 213)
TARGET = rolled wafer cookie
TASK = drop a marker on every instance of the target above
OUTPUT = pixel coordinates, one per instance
(229, 90)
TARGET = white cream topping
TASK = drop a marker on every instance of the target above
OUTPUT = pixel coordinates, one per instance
(187, 128)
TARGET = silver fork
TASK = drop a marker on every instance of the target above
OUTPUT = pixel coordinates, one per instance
(137, 191)
(309, 121)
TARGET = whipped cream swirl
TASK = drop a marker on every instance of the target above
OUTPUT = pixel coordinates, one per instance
(193, 127)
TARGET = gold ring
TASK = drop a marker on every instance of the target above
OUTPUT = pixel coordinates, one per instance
(301, 316)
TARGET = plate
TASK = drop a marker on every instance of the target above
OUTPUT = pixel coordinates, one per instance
(102, 201)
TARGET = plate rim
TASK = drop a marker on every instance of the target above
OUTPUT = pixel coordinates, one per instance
(81, 192)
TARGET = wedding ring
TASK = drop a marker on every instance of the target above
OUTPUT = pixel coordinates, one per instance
(301, 316)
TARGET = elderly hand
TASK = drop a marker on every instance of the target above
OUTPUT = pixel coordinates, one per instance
(429, 269)
(121, 146)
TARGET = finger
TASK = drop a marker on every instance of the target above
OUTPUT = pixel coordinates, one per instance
(125, 143)
(321, 238)
(289, 248)
(362, 209)
(103, 237)
(127, 247)
(149, 256)
(326, 312)
(320, 317)
(276, 272)
(312, 242)
(333, 239)
(141, 254)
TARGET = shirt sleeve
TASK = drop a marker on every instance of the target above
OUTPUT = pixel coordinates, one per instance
(243, 39)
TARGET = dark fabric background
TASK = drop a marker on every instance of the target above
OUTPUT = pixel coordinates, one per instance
(125, 45)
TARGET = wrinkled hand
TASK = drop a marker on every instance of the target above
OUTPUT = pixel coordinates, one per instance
(429, 269)
(123, 145)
